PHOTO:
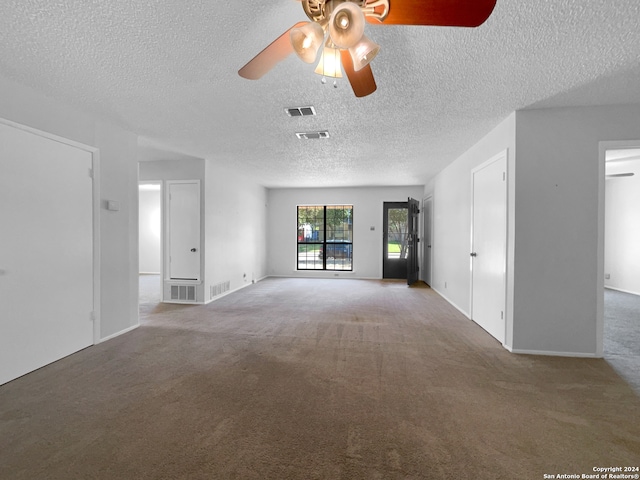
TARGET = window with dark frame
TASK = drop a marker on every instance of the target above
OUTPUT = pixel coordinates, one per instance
(325, 237)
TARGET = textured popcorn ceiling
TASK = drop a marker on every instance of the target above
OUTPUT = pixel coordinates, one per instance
(167, 70)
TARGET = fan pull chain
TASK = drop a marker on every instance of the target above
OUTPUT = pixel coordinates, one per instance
(324, 82)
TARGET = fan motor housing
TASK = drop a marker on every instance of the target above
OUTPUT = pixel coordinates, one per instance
(320, 10)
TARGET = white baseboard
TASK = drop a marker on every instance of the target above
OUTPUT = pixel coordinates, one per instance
(323, 274)
(228, 292)
(117, 334)
(552, 354)
(621, 290)
(452, 303)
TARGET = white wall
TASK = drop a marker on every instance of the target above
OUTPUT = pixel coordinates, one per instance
(162, 170)
(236, 229)
(367, 212)
(622, 227)
(555, 260)
(150, 230)
(559, 260)
(118, 181)
(451, 236)
(234, 220)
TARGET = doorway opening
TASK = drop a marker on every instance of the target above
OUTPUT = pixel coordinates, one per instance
(621, 328)
(150, 244)
(400, 240)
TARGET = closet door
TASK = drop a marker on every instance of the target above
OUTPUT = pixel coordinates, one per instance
(46, 250)
(184, 230)
(489, 246)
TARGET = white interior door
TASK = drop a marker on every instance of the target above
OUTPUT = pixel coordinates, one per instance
(184, 230)
(46, 251)
(427, 211)
(488, 249)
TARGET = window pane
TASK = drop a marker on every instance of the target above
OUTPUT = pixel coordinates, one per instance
(339, 256)
(309, 256)
(339, 223)
(397, 237)
(311, 224)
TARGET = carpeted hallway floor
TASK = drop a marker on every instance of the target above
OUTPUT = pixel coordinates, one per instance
(315, 379)
(622, 335)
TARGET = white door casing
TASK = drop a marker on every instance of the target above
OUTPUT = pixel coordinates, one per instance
(183, 230)
(46, 249)
(489, 245)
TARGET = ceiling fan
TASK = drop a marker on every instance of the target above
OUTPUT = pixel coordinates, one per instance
(336, 32)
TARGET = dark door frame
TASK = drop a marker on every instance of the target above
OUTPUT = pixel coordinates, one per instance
(412, 240)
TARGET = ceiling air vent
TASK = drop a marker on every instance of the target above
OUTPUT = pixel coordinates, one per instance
(300, 111)
(312, 135)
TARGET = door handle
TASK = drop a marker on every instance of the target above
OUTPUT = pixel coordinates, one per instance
(193, 250)
(474, 254)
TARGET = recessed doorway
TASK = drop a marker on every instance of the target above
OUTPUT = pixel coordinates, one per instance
(400, 240)
(621, 325)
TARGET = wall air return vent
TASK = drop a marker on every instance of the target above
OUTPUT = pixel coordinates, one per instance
(300, 111)
(312, 135)
(219, 289)
(183, 293)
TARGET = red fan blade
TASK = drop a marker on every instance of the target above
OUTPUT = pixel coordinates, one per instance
(445, 13)
(361, 81)
(277, 51)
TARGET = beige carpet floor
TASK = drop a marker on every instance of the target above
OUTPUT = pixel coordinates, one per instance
(315, 379)
(622, 335)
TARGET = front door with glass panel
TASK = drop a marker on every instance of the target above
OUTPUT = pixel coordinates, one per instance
(395, 244)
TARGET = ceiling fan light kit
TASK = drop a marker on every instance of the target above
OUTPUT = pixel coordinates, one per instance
(336, 31)
(346, 25)
(329, 64)
(363, 52)
(307, 40)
